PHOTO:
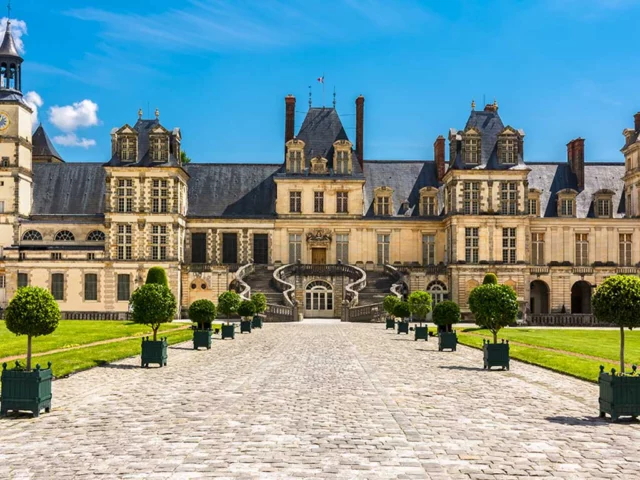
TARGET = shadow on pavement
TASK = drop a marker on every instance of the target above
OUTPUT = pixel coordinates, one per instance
(104, 364)
(471, 369)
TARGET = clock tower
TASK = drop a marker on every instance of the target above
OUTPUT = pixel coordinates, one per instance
(16, 175)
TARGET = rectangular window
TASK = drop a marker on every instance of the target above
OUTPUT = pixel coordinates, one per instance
(471, 151)
(429, 205)
(124, 195)
(448, 195)
(23, 280)
(342, 247)
(159, 149)
(342, 202)
(342, 162)
(160, 197)
(128, 149)
(56, 256)
(383, 249)
(295, 247)
(57, 286)
(3, 281)
(627, 207)
(5, 161)
(429, 249)
(295, 161)
(509, 198)
(533, 206)
(566, 207)
(537, 248)
(507, 151)
(509, 245)
(124, 287)
(295, 202)
(198, 248)
(471, 198)
(229, 248)
(318, 202)
(582, 249)
(382, 205)
(603, 206)
(625, 250)
(159, 242)
(125, 242)
(91, 287)
(2, 206)
(91, 256)
(471, 244)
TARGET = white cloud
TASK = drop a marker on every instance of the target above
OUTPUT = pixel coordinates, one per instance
(72, 140)
(71, 117)
(34, 100)
(18, 29)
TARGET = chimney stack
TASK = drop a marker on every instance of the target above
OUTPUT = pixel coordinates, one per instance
(636, 122)
(575, 157)
(290, 118)
(438, 155)
(360, 130)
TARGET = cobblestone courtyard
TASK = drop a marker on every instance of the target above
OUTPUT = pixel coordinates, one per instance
(339, 401)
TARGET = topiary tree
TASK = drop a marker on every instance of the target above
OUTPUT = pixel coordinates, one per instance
(32, 312)
(420, 305)
(617, 301)
(401, 310)
(446, 314)
(260, 302)
(490, 279)
(202, 312)
(153, 305)
(228, 303)
(247, 309)
(494, 306)
(157, 275)
(389, 303)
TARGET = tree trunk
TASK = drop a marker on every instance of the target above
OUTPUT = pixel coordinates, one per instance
(621, 349)
(155, 332)
(495, 336)
(28, 353)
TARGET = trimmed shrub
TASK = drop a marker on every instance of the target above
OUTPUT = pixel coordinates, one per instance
(494, 307)
(158, 276)
(202, 311)
(389, 303)
(490, 279)
(260, 301)
(446, 313)
(32, 312)
(420, 305)
(153, 305)
(228, 303)
(247, 309)
(401, 310)
(617, 301)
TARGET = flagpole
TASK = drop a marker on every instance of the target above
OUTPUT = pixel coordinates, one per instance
(323, 90)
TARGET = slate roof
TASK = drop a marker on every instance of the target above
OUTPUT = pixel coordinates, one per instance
(42, 145)
(232, 190)
(144, 127)
(8, 47)
(406, 178)
(68, 189)
(550, 178)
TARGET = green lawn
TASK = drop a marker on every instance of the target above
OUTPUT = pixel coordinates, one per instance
(71, 333)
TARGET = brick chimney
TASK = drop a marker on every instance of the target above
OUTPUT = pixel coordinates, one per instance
(636, 122)
(360, 130)
(438, 155)
(575, 157)
(290, 118)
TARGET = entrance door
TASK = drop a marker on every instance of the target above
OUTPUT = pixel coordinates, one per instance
(260, 248)
(318, 300)
(230, 248)
(319, 256)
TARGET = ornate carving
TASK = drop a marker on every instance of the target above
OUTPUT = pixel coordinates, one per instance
(319, 236)
(319, 165)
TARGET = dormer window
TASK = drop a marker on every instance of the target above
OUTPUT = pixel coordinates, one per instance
(567, 203)
(472, 148)
(128, 148)
(533, 203)
(507, 149)
(603, 203)
(159, 148)
(342, 157)
(319, 166)
(383, 201)
(295, 156)
(428, 202)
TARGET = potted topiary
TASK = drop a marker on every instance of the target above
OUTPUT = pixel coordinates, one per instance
(420, 306)
(389, 303)
(228, 303)
(445, 314)
(158, 276)
(260, 302)
(494, 307)
(617, 301)
(402, 312)
(246, 311)
(153, 304)
(32, 312)
(202, 313)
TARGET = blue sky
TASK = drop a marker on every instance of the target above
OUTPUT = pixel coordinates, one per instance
(219, 70)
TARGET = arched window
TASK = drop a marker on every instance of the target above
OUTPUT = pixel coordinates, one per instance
(96, 236)
(64, 236)
(319, 299)
(32, 236)
(438, 291)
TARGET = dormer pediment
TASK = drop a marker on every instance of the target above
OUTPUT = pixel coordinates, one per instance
(126, 130)
(383, 190)
(604, 192)
(534, 191)
(428, 191)
(508, 130)
(471, 131)
(159, 130)
(568, 192)
(295, 143)
(343, 144)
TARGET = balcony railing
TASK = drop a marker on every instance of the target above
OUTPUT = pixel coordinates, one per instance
(539, 270)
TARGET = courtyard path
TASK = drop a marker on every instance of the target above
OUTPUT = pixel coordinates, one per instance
(336, 401)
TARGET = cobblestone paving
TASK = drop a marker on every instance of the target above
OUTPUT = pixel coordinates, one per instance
(341, 401)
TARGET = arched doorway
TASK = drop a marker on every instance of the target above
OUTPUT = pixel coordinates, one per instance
(438, 292)
(539, 297)
(318, 299)
(581, 297)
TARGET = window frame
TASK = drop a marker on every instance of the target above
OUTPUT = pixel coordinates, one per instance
(318, 201)
(57, 286)
(120, 291)
(342, 247)
(625, 249)
(295, 201)
(537, 248)
(90, 287)
(472, 245)
(295, 247)
(428, 249)
(582, 249)
(342, 202)
(383, 256)
(509, 245)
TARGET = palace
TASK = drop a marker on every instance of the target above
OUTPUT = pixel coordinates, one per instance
(320, 230)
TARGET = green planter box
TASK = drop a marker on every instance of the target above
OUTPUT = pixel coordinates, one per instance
(619, 395)
(403, 327)
(245, 326)
(391, 324)
(422, 333)
(154, 352)
(496, 354)
(447, 340)
(26, 391)
(229, 331)
(201, 338)
(256, 322)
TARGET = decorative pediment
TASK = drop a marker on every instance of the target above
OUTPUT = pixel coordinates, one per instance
(319, 236)
(508, 130)
(567, 192)
(428, 191)
(342, 144)
(471, 131)
(383, 191)
(604, 192)
(126, 130)
(319, 166)
(295, 143)
(159, 130)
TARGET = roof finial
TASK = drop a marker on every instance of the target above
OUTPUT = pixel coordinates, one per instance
(495, 103)
(473, 104)
(310, 102)
(157, 113)
(334, 96)
(140, 114)
(8, 13)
